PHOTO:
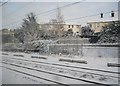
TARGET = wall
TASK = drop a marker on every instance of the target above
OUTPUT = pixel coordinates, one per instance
(85, 50)
(73, 41)
(100, 52)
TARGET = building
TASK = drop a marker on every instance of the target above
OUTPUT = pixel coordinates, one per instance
(74, 27)
(97, 26)
(7, 36)
(53, 28)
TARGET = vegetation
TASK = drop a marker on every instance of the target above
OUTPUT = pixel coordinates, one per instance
(86, 31)
(30, 30)
(110, 33)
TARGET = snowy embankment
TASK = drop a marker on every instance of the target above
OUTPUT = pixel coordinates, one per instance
(92, 63)
(0, 69)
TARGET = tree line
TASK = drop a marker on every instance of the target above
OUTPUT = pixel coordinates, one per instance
(30, 30)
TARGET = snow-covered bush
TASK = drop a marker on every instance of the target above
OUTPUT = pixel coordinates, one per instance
(110, 33)
(39, 45)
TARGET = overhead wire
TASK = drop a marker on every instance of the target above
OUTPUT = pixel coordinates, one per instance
(45, 12)
(76, 18)
(3, 3)
(66, 19)
(19, 9)
(89, 15)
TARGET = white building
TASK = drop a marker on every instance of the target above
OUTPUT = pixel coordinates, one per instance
(75, 28)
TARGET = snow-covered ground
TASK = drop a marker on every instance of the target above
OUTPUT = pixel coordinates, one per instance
(0, 74)
(51, 77)
(92, 63)
(12, 77)
(0, 69)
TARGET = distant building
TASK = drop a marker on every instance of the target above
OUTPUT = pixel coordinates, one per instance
(74, 27)
(7, 36)
(7, 31)
(51, 28)
(97, 26)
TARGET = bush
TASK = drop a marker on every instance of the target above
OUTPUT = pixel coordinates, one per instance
(110, 33)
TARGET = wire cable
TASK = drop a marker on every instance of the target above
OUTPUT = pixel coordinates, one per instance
(46, 12)
(72, 18)
(3, 3)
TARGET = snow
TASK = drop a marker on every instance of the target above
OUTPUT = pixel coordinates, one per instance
(92, 62)
(47, 76)
(18, 78)
(0, 75)
(69, 72)
(0, 70)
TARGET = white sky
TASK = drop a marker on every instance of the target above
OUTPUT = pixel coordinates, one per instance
(13, 12)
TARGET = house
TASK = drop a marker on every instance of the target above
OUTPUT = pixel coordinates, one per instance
(97, 26)
(74, 27)
(54, 28)
(7, 35)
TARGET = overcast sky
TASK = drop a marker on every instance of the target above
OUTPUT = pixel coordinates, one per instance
(14, 12)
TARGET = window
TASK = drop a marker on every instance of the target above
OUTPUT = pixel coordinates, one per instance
(68, 26)
(101, 15)
(72, 26)
(112, 14)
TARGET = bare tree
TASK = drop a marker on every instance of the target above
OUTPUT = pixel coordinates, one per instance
(60, 22)
(57, 24)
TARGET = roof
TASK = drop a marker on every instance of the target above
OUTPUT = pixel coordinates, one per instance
(63, 24)
(100, 22)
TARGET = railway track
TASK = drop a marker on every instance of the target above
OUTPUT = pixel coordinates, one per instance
(79, 75)
(62, 65)
(57, 82)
